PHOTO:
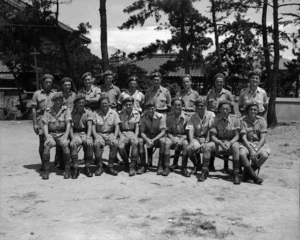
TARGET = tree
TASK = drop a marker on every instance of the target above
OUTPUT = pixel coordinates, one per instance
(103, 26)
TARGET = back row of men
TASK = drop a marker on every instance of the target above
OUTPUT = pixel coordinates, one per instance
(193, 125)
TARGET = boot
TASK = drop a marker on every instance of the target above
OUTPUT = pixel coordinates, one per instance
(175, 162)
(203, 176)
(67, 163)
(167, 165)
(75, 173)
(160, 164)
(88, 172)
(111, 170)
(184, 171)
(211, 166)
(142, 166)
(254, 167)
(99, 167)
(45, 175)
(250, 174)
(67, 173)
(132, 168)
(88, 160)
(226, 168)
(236, 169)
(46, 166)
(150, 154)
(194, 169)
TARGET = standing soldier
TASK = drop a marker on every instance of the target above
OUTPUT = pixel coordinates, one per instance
(41, 100)
(68, 95)
(57, 122)
(105, 131)
(152, 129)
(129, 131)
(112, 91)
(80, 134)
(162, 101)
(224, 140)
(133, 92)
(91, 92)
(198, 127)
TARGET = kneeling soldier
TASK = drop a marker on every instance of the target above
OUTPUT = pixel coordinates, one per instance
(152, 129)
(80, 133)
(129, 130)
(224, 135)
(105, 131)
(176, 137)
(57, 124)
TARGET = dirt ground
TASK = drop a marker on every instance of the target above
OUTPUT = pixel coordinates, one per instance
(146, 206)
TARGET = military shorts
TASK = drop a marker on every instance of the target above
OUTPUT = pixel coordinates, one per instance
(264, 148)
(220, 150)
(197, 142)
(58, 139)
(127, 138)
(104, 139)
(177, 141)
(81, 139)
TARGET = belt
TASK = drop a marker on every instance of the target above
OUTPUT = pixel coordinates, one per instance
(57, 131)
(79, 130)
(127, 130)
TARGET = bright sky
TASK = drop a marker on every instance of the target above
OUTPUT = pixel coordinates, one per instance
(126, 40)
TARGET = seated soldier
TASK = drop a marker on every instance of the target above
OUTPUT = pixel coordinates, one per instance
(253, 133)
(105, 132)
(152, 129)
(176, 137)
(198, 131)
(57, 124)
(224, 135)
(129, 131)
(80, 134)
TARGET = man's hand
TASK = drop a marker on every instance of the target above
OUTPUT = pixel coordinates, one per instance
(47, 142)
(73, 143)
(89, 141)
(36, 129)
(135, 140)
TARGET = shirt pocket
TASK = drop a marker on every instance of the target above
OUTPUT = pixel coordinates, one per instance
(41, 101)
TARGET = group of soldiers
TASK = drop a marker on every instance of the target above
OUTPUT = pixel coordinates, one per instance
(134, 124)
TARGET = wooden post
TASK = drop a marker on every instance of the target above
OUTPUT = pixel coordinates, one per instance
(34, 53)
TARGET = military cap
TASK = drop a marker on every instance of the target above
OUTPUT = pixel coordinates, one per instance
(200, 101)
(107, 73)
(187, 76)
(177, 98)
(255, 72)
(103, 96)
(132, 78)
(57, 95)
(221, 103)
(66, 79)
(79, 96)
(150, 103)
(251, 104)
(156, 74)
(219, 75)
(85, 75)
(45, 76)
(128, 99)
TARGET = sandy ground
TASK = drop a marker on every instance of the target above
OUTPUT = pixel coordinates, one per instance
(146, 206)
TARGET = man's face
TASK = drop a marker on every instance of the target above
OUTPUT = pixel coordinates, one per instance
(80, 104)
(200, 108)
(151, 111)
(108, 79)
(128, 107)
(66, 86)
(225, 110)
(88, 81)
(47, 84)
(132, 85)
(104, 105)
(156, 81)
(219, 83)
(254, 80)
(252, 111)
(177, 106)
(186, 82)
(58, 102)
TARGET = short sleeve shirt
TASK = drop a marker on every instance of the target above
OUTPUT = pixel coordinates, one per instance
(152, 126)
(189, 98)
(201, 126)
(176, 125)
(225, 128)
(93, 92)
(213, 99)
(253, 130)
(57, 121)
(161, 97)
(259, 96)
(80, 119)
(42, 100)
(106, 123)
(69, 100)
(139, 99)
(113, 93)
(128, 122)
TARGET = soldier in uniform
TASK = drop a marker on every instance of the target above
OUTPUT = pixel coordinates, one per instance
(133, 92)
(198, 131)
(176, 137)
(105, 131)
(224, 140)
(214, 96)
(91, 92)
(253, 133)
(112, 91)
(162, 100)
(68, 95)
(152, 130)
(129, 131)
(254, 93)
(57, 122)
(41, 100)
(80, 134)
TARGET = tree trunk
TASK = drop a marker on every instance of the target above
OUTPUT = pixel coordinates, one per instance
(213, 11)
(272, 118)
(186, 60)
(103, 26)
(266, 45)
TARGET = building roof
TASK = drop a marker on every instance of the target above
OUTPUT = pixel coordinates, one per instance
(153, 63)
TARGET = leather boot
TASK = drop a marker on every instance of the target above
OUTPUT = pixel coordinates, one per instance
(236, 170)
(67, 163)
(111, 170)
(250, 174)
(203, 176)
(99, 167)
(142, 166)
(75, 173)
(132, 168)
(211, 166)
(194, 161)
(175, 162)
(67, 173)
(88, 172)
(160, 165)
(167, 165)
(150, 155)
(184, 171)
(46, 166)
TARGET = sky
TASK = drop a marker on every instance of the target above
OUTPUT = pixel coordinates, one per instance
(127, 40)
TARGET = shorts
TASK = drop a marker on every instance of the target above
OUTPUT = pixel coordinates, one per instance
(81, 139)
(219, 149)
(178, 141)
(264, 148)
(104, 139)
(197, 142)
(126, 138)
(58, 139)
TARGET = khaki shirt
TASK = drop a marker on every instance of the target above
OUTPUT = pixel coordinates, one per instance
(200, 126)
(259, 96)
(128, 122)
(106, 123)
(93, 92)
(80, 120)
(253, 130)
(139, 99)
(162, 97)
(189, 98)
(176, 126)
(113, 93)
(225, 128)
(57, 121)
(69, 101)
(212, 99)
(42, 100)
(152, 126)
